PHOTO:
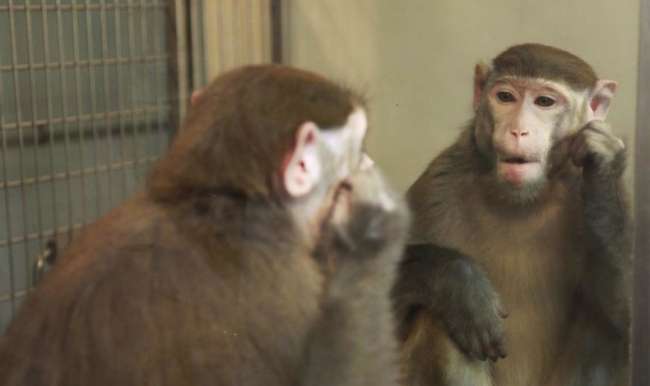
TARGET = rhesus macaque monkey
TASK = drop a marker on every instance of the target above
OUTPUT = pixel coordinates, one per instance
(261, 252)
(521, 236)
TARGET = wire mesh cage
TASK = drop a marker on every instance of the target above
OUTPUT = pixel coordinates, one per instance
(85, 107)
(90, 93)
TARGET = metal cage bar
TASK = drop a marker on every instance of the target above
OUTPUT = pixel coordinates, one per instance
(84, 112)
(7, 213)
(90, 94)
(21, 144)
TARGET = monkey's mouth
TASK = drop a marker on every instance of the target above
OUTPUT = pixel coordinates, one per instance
(517, 160)
(519, 170)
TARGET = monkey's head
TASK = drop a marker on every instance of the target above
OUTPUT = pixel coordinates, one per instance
(267, 133)
(528, 104)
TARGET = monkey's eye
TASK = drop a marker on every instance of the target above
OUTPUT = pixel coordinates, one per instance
(505, 97)
(544, 101)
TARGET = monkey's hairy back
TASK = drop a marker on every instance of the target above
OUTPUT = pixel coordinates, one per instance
(534, 258)
(134, 301)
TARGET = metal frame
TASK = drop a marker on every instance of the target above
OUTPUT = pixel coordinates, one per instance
(276, 31)
(197, 44)
(641, 324)
(180, 45)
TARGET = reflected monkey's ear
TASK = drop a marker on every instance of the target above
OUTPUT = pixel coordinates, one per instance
(481, 72)
(600, 99)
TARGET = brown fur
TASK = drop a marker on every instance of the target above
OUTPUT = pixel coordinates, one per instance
(540, 61)
(203, 278)
(249, 115)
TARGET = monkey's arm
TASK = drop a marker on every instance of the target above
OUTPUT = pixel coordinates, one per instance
(606, 284)
(353, 343)
(591, 357)
(453, 288)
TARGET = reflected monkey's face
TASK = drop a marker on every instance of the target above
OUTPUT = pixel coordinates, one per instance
(528, 110)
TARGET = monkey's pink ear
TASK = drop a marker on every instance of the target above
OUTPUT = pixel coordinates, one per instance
(600, 98)
(196, 95)
(303, 169)
(481, 71)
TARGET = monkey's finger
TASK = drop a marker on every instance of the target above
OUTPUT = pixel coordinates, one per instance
(575, 142)
(477, 347)
(502, 312)
(488, 350)
(499, 346)
(464, 342)
(604, 138)
(601, 126)
(601, 139)
(579, 150)
(601, 148)
(460, 341)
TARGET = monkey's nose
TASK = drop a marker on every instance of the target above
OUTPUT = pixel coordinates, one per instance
(519, 133)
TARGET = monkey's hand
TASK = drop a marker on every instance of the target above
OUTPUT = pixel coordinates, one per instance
(598, 151)
(456, 291)
(473, 314)
(369, 230)
(368, 218)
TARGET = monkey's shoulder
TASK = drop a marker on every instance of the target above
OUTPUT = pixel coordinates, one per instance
(438, 196)
(131, 279)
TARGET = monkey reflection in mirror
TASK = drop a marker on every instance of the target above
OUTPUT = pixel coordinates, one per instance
(519, 268)
(261, 252)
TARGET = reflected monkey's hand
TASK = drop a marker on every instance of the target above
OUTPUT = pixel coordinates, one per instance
(598, 151)
(473, 314)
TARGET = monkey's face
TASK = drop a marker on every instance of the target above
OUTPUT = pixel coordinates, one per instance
(529, 118)
(320, 167)
(528, 115)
